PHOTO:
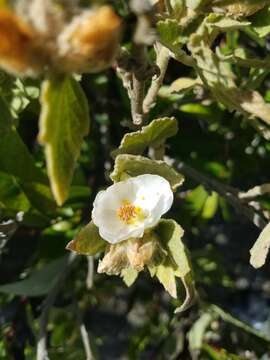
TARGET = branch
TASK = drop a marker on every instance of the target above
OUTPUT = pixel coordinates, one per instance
(42, 352)
(135, 72)
(227, 192)
(162, 61)
(90, 272)
(83, 331)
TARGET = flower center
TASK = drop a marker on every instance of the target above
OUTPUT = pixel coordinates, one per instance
(128, 212)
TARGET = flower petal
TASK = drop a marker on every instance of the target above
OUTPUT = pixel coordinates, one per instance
(153, 196)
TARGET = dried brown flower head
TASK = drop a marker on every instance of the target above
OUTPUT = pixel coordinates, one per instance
(133, 253)
(17, 49)
(86, 42)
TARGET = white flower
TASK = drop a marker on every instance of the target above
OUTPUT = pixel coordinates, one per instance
(126, 209)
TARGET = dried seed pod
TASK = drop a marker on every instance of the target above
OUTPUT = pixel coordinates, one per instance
(18, 53)
(45, 36)
(90, 42)
(115, 259)
(132, 253)
(47, 17)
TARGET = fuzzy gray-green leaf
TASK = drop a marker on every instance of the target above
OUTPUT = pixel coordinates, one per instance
(153, 134)
(131, 165)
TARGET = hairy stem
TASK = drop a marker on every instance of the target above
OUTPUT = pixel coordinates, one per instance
(162, 62)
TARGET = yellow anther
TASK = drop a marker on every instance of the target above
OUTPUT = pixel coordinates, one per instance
(128, 212)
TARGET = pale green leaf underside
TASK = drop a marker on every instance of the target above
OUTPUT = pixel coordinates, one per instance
(153, 134)
(88, 241)
(176, 264)
(131, 165)
(260, 249)
(129, 276)
(197, 332)
(64, 121)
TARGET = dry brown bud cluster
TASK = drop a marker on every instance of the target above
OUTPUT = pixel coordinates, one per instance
(52, 40)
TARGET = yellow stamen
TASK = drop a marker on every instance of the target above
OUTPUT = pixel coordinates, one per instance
(128, 213)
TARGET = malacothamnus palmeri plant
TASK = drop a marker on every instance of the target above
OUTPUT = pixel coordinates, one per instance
(60, 40)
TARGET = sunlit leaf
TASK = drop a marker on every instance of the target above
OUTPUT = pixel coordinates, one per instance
(131, 165)
(176, 263)
(88, 241)
(210, 206)
(260, 249)
(154, 134)
(197, 332)
(166, 276)
(261, 22)
(241, 7)
(129, 276)
(64, 121)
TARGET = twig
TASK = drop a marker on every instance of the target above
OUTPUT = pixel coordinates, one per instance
(90, 272)
(136, 100)
(135, 73)
(162, 61)
(83, 331)
(42, 352)
(249, 212)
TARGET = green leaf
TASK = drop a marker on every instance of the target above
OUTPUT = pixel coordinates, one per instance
(170, 233)
(197, 332)
(88, 241)
(39, 283)
(242, 8)
(64, 122)
(129, 276)
(15, 159)
(224, 23)
(131, 165)
(40, 196)
(169, 32)
(154, 134)
(195, 4)
(183, 84)
(196, 200)
(11, 195)
(210, 206)
(177, 262)
(260, 249)
(261, 22)
(217, 75)
(166, 275)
